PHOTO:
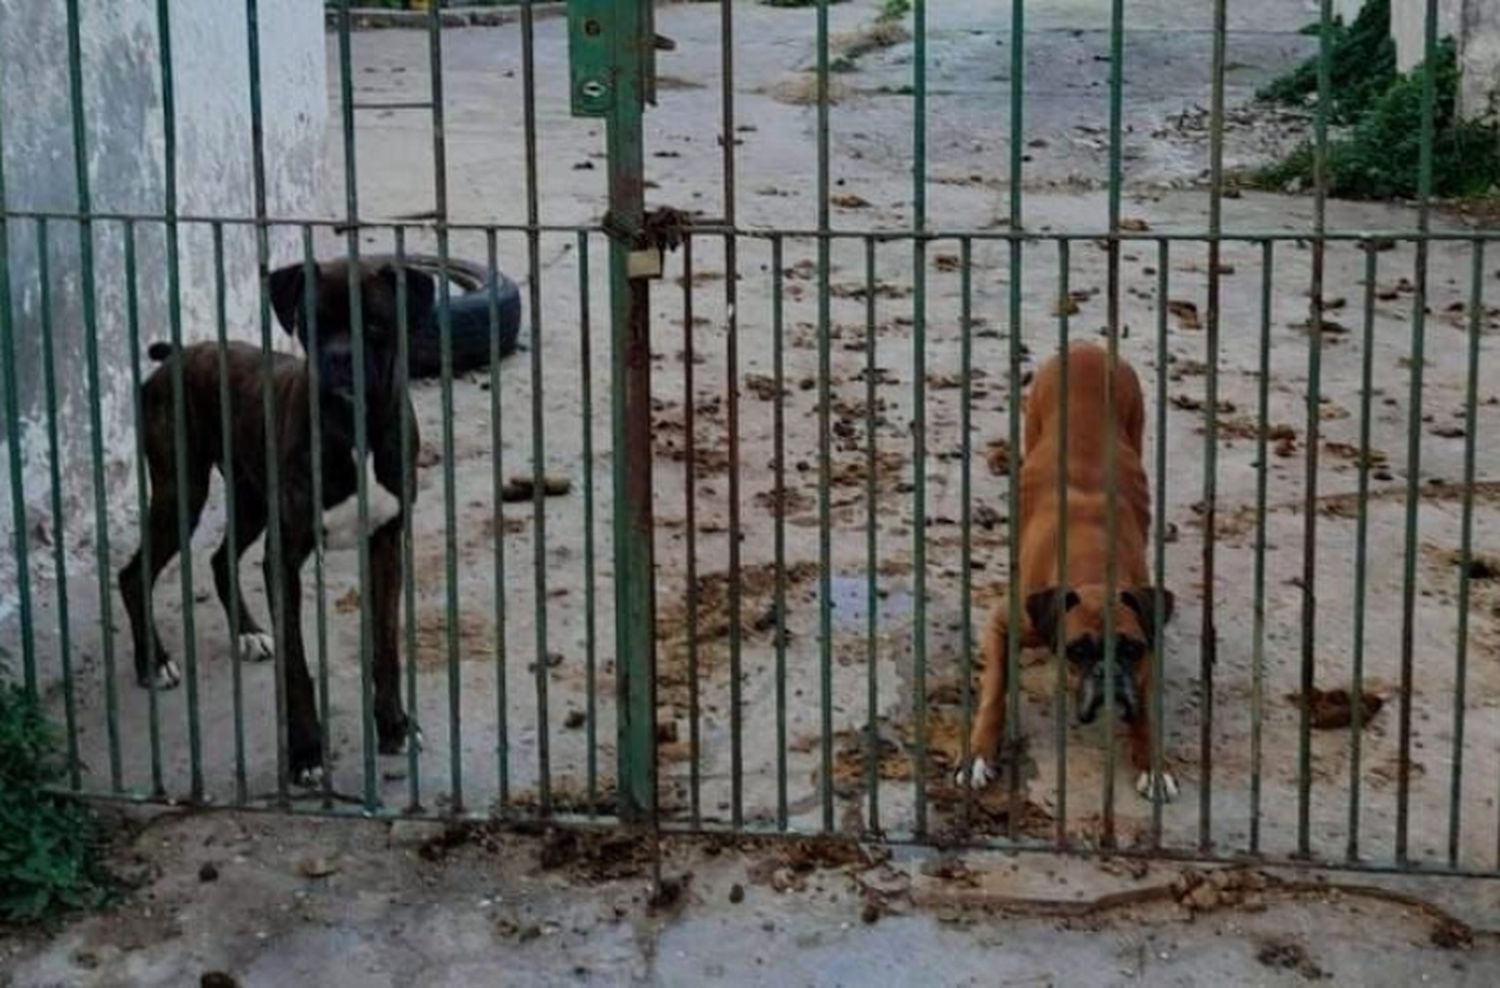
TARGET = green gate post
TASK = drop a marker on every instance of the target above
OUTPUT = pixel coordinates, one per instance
(612, 57)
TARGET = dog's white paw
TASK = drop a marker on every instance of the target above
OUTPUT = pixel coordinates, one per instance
(310, 778)
(168, 675)
(256, 646)
(1165, 784)
(979, 774)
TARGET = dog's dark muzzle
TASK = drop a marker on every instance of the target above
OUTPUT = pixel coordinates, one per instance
(336, 372)
(1092, 689)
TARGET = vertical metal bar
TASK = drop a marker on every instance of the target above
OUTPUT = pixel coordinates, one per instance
(1314, 421)
(825, 547)
(966, 496)
(732, 425)
(13, 434)
(408, 497)
(59, 535)
(630, 369)
(732, 416)
(538, 441)
(315, 427)
(919, 409)
(1116, 179)
(361, 437)
(268, 393)
(590, 624)
(1210, 644)
(1060, 692)
(872, 615)
(445, 359)
(133, 327)
(91, 358)
(1465, 553)
(778, 429)
(231, 528)
(1414, 433)
(1013, 488)
(690, 494)
(1159, 534)
(186, 514)
(1262, 475)
(1361, 554)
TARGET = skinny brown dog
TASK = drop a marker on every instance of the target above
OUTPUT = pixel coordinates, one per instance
(1071, 616)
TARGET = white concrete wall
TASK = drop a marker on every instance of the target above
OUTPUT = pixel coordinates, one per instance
(1409, 28)
(1347, 9)
(1475, 26)
(1479, 89)
(123, 110)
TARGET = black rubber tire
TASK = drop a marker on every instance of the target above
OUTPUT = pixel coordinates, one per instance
(468, 317)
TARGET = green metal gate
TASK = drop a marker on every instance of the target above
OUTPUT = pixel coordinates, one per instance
(801, 685)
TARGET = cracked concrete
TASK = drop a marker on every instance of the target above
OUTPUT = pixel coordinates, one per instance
(268, 901)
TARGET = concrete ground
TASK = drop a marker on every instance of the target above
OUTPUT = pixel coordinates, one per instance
(251, 900)
(1167, 75)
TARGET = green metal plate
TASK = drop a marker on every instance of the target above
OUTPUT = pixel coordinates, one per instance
(591, 25)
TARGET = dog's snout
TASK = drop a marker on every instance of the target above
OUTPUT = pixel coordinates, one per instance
(1093, 688)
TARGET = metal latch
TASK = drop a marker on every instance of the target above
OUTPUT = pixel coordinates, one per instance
(661, 230)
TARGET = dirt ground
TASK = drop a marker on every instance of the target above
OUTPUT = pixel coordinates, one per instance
(1167, 75)
(226, 899)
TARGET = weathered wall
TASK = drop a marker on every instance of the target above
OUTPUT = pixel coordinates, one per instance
(1409, 28)
(123, 110)
(1347, 9)
(1475, 27)
(1479, 91)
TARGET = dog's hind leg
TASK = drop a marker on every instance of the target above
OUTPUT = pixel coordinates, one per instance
(391, 722)
(254, 644)
(304, 739)
(163, 543)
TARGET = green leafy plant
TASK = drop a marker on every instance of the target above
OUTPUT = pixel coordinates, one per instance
(1361, 66)
(1380, 158)
(49, 851)
(894, 10)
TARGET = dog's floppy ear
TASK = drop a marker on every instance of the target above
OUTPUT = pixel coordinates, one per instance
(1041, 609)
(286, 296)
(1142, 600)
(421, 295)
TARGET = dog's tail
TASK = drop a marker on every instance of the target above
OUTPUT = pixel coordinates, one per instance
(160, 351)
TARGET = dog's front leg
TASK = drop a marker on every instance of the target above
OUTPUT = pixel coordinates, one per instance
(1147, 783)
(989, 722)
(391, 722)
(304, 740)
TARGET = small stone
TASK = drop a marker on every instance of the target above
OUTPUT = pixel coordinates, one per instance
(1204, 897)
(318, 867)
(574, 720)
(737, 893)
(217, 979)
(209, 872)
